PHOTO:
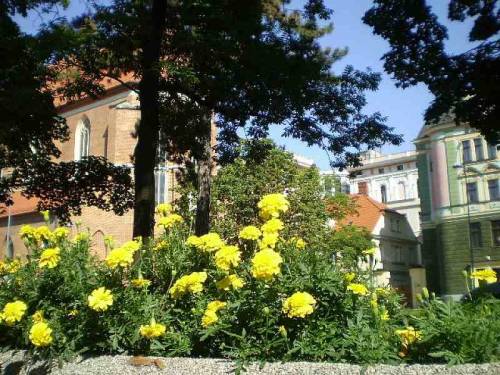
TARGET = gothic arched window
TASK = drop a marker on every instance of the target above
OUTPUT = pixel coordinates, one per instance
(82, 139)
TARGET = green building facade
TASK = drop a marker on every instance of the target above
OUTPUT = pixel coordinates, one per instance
(459, 188)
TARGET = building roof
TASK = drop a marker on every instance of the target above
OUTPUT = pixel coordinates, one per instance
(369, 212)
(22, 205)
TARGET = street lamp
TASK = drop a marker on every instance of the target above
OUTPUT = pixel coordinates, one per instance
(456, 166)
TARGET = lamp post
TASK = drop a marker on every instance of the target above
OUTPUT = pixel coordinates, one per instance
(471, 252)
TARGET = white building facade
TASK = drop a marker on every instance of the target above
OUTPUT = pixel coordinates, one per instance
(391, 179)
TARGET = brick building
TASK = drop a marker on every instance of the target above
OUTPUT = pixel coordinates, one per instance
(102, 127)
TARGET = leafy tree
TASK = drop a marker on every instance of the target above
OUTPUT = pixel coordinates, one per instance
(465, 85)
(30, 127)
(248, 65)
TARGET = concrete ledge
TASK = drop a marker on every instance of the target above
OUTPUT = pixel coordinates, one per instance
(14, 363)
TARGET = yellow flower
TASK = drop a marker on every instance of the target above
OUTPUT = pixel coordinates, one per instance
(27, 233)
(100, 299)
(192, 283)
(383, 292)
(370, 251)
(271, 205)
(152, 330)
(266, 264)
(487, 274)
(228, 256)
(231, 281)
(349, 276)
(163, 209)
(272, 226)
(50, 258)
(46, 215)
(408, 336)
(60, 234)
(298, 305)
(268, 241)
(194, 241)
(210, 315)
(170, 221)
(81, 237)
(299, 243)
(43, 233)
(140, 282)
(41, 334)
(358, 289)
(282, 331)
(122, 256)
(13, 312)
(162, 245)
(10, 266)
(384, 315)
(250, 232)
(210, 242)
(38, 316)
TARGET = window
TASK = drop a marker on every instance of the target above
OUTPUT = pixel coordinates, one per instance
(493, 189)
(9, 250)
(466, 150)
(402, 190)
(495, 230)
(472, 195)
(82, 139)
(400, 167)
(475, 234)
(381, 171)
(398, 226)
(492, 151)
(363, 188)
(383, 193)
(478, 145)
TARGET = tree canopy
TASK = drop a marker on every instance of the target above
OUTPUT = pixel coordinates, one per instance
(465, 85)
(30, 128)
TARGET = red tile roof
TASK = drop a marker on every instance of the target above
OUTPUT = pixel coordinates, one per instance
(22, 205)
(369, 212)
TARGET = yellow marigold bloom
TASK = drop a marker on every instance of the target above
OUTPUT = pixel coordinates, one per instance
(370, 251)
(409, 335)
(271, 205)
(210, 315)
(349, 276)
(60, 234)
(487, 274)
(250, 232)
(170, 221)
(132, 246)
(268, 241)
(164, 209)
(194, 241)
(299, 243)
(43, 233)
(272, 226)
(162, 245)
(210, 242)
(383, 292)
(27, 232)
(266, 264)
(298, 305)
(50, 258)
(13, 312)
(11, 266)
(140, 282)
(231, 281)
(100, 299)
(41, 334)
(38, 316)
(152, 330)
(120, 256)
(192, 283)
(228, 256)
(358, 289)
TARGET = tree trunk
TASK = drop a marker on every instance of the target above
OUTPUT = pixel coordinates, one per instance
(202, 225)
(147, 132)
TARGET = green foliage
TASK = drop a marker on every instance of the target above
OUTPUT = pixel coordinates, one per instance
(454, 332)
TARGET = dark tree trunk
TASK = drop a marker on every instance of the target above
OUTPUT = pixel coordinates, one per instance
(204, 179)
(147, 132)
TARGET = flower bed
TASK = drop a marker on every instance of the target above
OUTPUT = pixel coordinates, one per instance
(263, 297)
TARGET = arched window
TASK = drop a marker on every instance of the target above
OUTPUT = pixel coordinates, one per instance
(383, 193)
(402, 190)
(82, 139)
(9, 248)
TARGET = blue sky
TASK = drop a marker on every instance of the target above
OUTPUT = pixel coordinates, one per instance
(403, 108)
